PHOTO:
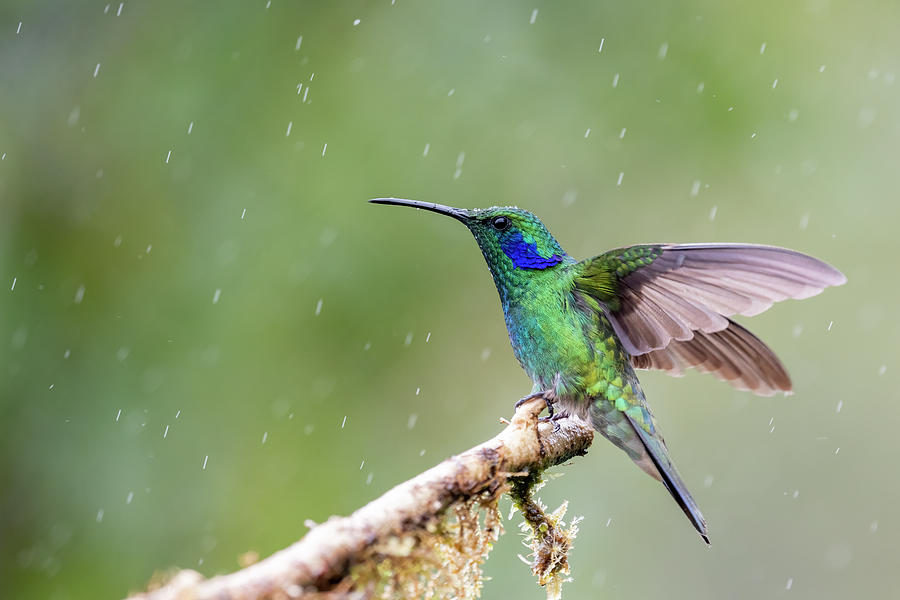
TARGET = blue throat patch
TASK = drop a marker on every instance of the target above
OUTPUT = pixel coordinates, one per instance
(525, 256)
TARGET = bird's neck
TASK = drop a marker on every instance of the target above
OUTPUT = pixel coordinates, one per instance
(515, 285)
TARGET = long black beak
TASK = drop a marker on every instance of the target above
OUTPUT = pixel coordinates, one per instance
(459, 214)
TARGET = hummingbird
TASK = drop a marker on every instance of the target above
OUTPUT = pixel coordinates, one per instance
(581, 329)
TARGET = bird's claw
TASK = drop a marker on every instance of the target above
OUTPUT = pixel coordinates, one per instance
(546, 395)
(553, 418)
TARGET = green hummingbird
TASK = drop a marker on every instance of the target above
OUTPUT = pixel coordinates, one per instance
(580, 329)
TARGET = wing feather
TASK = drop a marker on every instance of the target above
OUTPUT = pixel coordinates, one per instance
(689, 287)
(670, 304)
(734, 355)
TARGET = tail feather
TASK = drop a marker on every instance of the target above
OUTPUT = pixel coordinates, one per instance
(669, 476)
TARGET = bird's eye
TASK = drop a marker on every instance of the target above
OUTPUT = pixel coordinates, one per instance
(500, 223)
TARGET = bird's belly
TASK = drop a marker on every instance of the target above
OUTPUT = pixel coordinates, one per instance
(555, 353)
(576, 358)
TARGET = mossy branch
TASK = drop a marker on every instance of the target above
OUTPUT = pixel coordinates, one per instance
(422, 530)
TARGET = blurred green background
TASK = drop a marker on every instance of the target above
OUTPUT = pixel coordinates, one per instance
(208, 337)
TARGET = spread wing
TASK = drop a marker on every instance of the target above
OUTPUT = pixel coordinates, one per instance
(669, 304)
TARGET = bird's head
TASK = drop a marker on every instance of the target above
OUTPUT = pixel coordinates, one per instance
(514, 242)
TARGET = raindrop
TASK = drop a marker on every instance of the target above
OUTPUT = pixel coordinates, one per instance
(168, 156)
(13, 285)
(66, 353)
(369, 479)
(19, 28)
(712, 212)
(485, 354)
(839, 406)
(79, 294)
(216, 295)
(422, 452)
(451, 92)
(762, 48)
(96, 69)
(663, 51)
(118, 414)
(866, 117)
(793, 114)
(873, 527)
(319, 306)
(409, 339)
(129, 498)
(822, 69)
(100, 515)
(427, 148)
(265, 436)
(166, 432)
(299, 41)
(427, 337)
(804, 222)
(829, 326)
(288, 132)
(615, 82)
(119, 12)
(118, 241)
(708, 481)
(324, 148)
(355, 22)
(622, 133)
(789, 584)
(587, 132)
(205, 460)
(19, 337)
(243, 214)
(882, 369)
(621, 175)
(367, 346)
(534, 15)
(775, 83)
(361, 464)
(344, 422)
(418, 390)
(695, 187)
(411, 422)
(600, 49)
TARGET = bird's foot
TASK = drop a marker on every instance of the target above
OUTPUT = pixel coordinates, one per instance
(554, 418)
(548, 397)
